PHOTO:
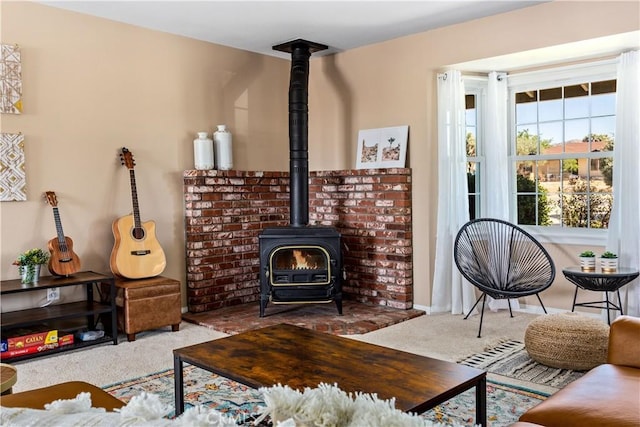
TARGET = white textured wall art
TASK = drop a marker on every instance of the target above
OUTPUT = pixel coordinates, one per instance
(10, 79)
(13, 179)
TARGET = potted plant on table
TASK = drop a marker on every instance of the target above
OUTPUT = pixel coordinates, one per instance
(29, 264)
(608, 261)
(588, 261)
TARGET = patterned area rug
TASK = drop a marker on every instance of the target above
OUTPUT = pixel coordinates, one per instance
(510, 359)
(505, 404)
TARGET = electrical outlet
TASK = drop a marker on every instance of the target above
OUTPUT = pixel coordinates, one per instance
(53, 294)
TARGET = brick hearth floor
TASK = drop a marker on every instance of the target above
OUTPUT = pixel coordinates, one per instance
(357, 318)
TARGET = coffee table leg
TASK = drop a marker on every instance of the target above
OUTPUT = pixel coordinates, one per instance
(481, 402)
(178, 384)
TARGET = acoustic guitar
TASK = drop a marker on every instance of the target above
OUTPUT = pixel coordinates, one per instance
(63, 261)
(136, 252)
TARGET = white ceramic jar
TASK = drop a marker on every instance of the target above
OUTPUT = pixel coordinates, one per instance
(203, 152)
(224, 148)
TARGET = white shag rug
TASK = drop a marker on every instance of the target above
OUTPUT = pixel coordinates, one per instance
(144, 410)
(329, 406)
(324, 406)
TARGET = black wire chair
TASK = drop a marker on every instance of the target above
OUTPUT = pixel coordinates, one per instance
(503, 261)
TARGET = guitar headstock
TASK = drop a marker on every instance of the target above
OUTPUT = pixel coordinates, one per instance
(126, 157)
(51, 198)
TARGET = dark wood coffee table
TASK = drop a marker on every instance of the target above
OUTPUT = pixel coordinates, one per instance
(299, 357)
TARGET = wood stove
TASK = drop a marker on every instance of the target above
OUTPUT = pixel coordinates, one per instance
(300, 263)
(300, 266)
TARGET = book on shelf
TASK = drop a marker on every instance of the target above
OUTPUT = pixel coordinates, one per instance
(31, 337)
(36, 339)
(27, 350)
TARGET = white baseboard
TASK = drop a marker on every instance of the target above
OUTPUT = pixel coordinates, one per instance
(424, 308)
(524, 308)
(536, 309)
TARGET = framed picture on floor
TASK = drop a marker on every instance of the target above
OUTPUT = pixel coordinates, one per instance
(382, 147)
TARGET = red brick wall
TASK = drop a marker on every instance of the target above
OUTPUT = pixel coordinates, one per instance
(226, 210)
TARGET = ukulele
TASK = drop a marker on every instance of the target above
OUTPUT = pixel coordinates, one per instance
(136, 252)
(63, 261)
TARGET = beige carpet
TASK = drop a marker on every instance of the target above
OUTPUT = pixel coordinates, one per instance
(442, 336)
(449, 337)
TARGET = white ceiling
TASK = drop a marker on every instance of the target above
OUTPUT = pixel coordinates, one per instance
(256, 26)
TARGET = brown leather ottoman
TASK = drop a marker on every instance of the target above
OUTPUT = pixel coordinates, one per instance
(36, 399)
(146, 304)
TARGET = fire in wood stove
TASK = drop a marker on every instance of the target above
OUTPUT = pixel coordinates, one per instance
(300, 258)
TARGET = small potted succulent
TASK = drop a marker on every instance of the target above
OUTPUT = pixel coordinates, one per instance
(29, 264)
(608, 261)
(588, 261)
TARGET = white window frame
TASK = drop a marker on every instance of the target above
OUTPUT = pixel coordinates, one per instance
(544, 79)
(478, 86)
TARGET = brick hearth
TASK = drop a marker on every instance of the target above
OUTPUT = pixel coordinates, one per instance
(226, 210)
(356, 318)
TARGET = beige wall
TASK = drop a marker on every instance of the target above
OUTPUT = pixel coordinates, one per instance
(92, 86)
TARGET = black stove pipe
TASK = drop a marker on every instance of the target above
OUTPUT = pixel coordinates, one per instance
(300, 51)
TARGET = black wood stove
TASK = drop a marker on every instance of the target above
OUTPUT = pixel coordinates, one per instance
(300, 263)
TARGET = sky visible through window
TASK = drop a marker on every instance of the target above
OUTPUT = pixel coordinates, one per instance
(571, 124)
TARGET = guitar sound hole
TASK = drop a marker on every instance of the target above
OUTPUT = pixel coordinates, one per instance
(138, 233)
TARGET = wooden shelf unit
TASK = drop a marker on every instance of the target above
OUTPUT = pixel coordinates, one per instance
(55, 315)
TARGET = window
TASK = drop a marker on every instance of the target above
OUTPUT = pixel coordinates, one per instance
(473, 159)
(561, 134)
(561, 131)
(475, 90)
(562, 137)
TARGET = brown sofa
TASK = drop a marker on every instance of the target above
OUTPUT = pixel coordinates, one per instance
(607, 395)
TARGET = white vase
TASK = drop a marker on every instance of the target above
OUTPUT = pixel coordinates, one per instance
(224, 148)
(609, 264)
(588, 263)
(203, 152)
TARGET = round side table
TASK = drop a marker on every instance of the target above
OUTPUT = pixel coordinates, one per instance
(8, 377)
(600, 281)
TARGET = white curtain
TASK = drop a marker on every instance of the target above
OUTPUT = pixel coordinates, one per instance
(450, 291)
(624, 225)
(496, 167)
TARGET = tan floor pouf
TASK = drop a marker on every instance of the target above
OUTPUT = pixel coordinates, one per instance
(567, 341)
